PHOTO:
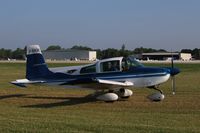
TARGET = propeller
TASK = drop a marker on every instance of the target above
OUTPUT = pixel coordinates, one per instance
(173, 77)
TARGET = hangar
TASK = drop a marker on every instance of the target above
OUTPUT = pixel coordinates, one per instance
(166, 56)
(69, 55)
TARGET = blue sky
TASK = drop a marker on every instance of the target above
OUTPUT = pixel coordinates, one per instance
(166, 24)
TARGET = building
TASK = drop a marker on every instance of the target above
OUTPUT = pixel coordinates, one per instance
(166, 56)
(69, 55)
(185, 56)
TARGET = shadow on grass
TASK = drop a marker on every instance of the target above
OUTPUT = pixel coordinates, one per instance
(12, 96)
(68, 101)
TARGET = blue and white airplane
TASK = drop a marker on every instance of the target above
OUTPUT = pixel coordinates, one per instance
(111, 78)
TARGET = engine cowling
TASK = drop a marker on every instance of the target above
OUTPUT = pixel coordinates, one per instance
(156, 97)
(108, 97)
(124, 93)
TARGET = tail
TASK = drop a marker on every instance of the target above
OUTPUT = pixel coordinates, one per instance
(36, 68)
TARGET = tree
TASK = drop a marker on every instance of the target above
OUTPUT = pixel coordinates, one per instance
(79, 47)
(147, 50)
(123, 52)
(110, 52)
(54, 47)
(138, 50)
(196, 53)
(123, 47)
(18, 54)
(186, 51)
(5, 53)
(99, 53)
(161, 50)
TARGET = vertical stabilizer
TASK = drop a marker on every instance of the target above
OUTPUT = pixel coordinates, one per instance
(36, 68)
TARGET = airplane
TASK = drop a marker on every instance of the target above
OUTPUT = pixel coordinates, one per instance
(112, 78)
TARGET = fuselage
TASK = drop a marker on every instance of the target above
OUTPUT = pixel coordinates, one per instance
(140, 76)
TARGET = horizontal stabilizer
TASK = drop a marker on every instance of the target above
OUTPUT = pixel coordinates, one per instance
(126, 83)
(22, 82)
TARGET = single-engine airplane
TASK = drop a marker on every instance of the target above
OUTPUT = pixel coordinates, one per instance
(111, 78)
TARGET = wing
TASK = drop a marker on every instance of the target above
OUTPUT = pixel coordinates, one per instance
(115, 83)
(98, 84)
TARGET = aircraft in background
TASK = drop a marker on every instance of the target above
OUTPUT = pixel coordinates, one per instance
(111, 78)
(11, 59)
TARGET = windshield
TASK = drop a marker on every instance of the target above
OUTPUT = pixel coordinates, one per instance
(130, 62)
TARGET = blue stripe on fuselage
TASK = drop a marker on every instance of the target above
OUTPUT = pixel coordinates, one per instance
(134, 76)
(88, 79)
(141, 72)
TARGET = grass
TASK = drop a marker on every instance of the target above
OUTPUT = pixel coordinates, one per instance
(51, 109)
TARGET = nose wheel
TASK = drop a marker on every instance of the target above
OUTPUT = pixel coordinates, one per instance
(159, 96)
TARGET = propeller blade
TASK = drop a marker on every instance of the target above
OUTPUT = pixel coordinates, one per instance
(172, 61)
(173, 85)
(172, 76)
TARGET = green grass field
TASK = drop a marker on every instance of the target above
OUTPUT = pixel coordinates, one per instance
(52, 109)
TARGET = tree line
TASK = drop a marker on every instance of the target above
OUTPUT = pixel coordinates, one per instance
(109, 52)
(112, 52)
(101, 54)
(10, 54)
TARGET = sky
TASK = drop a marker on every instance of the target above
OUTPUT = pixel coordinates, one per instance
(158, 24)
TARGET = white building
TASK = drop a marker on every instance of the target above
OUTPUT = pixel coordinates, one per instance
(69, 55)
(166, 56)
(185, 56)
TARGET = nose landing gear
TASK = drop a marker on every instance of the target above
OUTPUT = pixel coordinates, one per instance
(158, 96)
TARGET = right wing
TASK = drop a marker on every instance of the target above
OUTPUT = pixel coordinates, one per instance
(116, 83)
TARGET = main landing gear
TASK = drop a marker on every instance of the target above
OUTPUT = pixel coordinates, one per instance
(112, 96)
